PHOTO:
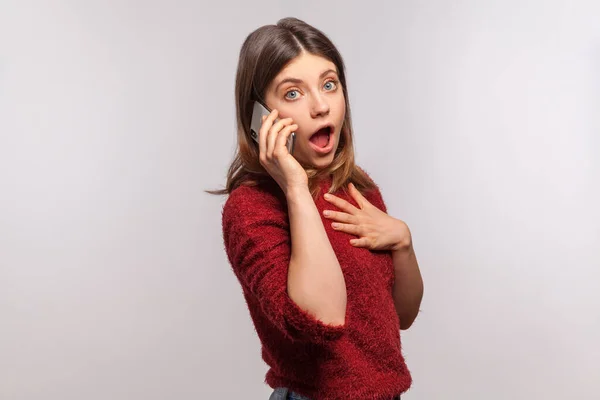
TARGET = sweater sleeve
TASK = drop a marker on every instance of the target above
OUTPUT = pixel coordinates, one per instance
(258, 244)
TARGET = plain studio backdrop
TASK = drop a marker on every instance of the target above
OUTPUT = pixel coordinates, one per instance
(478, 119)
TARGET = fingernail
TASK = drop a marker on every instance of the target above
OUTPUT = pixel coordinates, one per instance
(326, 213)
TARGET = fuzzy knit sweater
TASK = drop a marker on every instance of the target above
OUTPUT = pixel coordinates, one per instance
(361, 359)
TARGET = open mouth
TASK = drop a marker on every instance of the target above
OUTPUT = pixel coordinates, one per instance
(322, 137)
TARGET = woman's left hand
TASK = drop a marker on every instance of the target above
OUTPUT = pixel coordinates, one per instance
(375, 229)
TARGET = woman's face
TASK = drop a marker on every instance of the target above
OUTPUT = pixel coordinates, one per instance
(308, 91)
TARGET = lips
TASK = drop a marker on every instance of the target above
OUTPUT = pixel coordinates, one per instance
(322, 141)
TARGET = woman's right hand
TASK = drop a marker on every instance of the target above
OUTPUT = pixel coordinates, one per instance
(274, 155)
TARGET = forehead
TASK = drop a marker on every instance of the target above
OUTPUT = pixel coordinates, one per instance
(305, 67)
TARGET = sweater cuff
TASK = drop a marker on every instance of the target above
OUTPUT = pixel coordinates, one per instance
(305, 327)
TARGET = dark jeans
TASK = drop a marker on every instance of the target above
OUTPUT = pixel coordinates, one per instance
(283, 393)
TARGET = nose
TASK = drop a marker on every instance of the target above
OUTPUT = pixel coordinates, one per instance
(319, 106)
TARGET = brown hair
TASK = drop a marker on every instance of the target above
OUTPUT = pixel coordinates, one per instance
(264, 53)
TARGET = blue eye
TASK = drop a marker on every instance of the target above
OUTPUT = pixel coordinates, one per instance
(287, 95)
(330, 85)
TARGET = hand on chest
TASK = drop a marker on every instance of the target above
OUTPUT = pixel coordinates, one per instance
(355, 261)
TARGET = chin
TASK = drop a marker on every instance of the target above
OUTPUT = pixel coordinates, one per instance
(322, 163)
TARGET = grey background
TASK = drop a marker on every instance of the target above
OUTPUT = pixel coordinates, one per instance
(478, 119)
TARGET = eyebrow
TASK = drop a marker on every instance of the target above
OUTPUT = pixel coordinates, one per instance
(299, 81)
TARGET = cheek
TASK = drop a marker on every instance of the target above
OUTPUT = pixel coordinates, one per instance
(341, 108)
(286, 111)
(297, 115)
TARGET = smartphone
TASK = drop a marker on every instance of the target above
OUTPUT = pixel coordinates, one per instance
(258, 111)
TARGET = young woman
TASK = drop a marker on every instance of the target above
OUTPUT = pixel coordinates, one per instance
(328, 276)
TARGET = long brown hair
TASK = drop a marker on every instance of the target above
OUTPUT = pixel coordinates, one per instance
(264, 53)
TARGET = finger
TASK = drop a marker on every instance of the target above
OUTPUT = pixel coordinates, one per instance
(357, 196)
(347, 228)
(280, 124)
(340, 217)
(361, 242)
(264, 129)
(274, 133)
(281, 143)
(340, 203)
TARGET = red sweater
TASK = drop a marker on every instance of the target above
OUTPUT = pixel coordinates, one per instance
(360, 360)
